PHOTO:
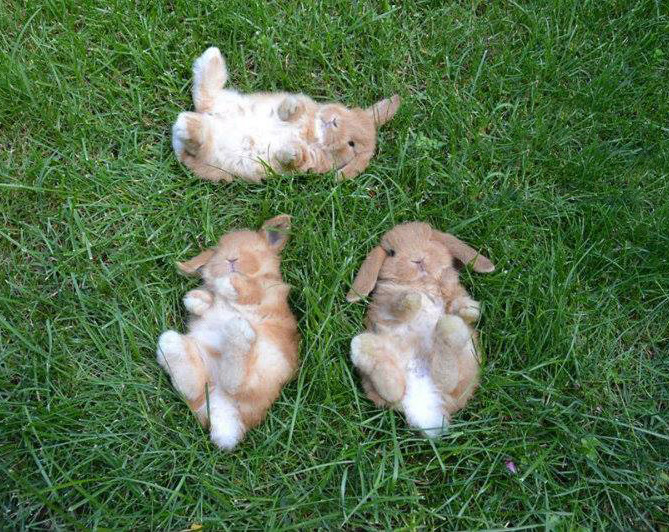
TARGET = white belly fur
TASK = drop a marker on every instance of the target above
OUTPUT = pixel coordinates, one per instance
(210, 331)
(422, 403)
(249, 128)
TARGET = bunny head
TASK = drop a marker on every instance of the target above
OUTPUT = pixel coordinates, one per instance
(245, 253)
(412, 253)
(349, 135)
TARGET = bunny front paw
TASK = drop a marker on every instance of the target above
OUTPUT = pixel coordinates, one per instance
(197, 301)
(243, 330)
(289, 108)
(407, 305)
(468, 309)
(453, 330)
(225, 288)
(287, 156)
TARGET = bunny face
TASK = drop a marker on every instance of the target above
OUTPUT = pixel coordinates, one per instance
(349, 135)
(241, 252)
(245, 253)
(412, 254)
(346, 131)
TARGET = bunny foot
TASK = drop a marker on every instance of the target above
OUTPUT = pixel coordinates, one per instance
(407, 305)
(289, 108)
(175, 355)
(187, 134)
(453, 330)
(384, 375)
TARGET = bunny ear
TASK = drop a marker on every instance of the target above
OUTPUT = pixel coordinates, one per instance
(367, 275)
(384, 110)
(464, 253)
(275, 230)
(191, 267)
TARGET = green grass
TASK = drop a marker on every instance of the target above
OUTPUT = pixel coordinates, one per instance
(537, 131)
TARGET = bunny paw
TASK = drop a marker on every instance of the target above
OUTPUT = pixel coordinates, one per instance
(287, 156)
(363, 347)
(410, 303)
(187, 134)
(288, 108)
(197, 302)
(225, 288)
(238, 334)
(468, 309)
(453, 330)
(244, 329)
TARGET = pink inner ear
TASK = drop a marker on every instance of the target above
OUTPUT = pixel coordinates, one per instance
(384, 110)
(273, 236)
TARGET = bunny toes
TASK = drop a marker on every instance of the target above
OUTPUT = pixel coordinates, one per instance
(179, 358)
(187, 134)
(290, 108)
(407, 305)
(198, 301)
(381, 370)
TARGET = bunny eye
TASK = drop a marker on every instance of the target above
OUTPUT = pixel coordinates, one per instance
(391, 252)
(351, 143)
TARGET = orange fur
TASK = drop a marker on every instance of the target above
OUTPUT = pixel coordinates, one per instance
(242, 343)
(419, 322)
(243, 135)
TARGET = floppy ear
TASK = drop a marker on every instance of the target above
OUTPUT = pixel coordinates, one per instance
(191, 267)
(275, 231)
(355, 166)
(367, 275)
(463, 252)
(384, 110)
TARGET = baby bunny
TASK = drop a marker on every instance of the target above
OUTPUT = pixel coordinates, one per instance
(242, 340)
(418, 354)
(242, 135)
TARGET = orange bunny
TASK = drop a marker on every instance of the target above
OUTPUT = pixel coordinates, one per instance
(418, 354)
(242, 135)
(242, 340)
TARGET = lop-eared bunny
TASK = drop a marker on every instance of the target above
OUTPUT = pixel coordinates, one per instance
(242, 340)
(241, 135)
(419, 352)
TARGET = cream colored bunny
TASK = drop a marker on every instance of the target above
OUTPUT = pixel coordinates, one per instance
(242, 135)
(419, 352)
(242, 340)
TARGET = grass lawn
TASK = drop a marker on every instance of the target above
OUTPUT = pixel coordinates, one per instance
(537, 131)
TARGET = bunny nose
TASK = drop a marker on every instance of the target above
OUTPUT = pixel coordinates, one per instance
(420, 263)
(231, 264)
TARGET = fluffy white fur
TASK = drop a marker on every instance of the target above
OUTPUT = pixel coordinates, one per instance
(241, 347)
(418, 354)
(422, 404)
(231, 134)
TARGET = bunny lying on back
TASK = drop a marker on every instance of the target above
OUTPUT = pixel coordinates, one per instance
(233, 134)
(241, 347)
(419, 352)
